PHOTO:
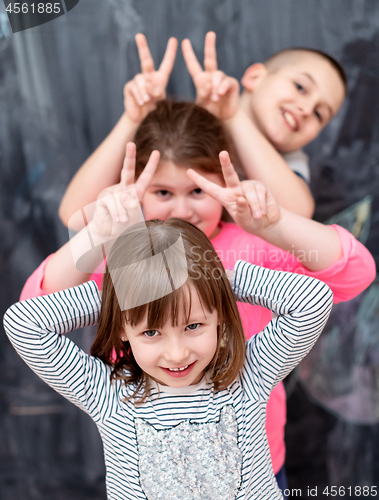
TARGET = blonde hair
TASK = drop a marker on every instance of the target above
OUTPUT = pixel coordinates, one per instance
(205, 272)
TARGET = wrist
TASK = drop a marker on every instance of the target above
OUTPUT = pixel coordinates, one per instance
(86, 249)
(271, 231)
(231, 121)
(129, 123)
(96, 236)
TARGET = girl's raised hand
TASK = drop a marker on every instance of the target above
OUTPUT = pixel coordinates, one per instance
(149, 86)
(250, 203)
(118, 206)
(215, 91)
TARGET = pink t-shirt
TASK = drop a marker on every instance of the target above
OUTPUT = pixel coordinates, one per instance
(347, 277)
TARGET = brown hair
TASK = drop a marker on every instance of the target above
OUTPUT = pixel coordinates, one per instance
(280, 58)
(183, 133)
(205, 272)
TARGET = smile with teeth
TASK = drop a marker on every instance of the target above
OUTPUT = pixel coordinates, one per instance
(177, 369)
(290, 120)
(183, 371)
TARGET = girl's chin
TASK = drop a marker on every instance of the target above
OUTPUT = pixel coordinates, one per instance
(215, 232)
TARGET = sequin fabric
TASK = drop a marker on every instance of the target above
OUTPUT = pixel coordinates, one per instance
(190, 461)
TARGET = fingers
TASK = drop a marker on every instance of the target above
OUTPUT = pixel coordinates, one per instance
(107, 205)
(117, 206)
(193, 65)
(147, 62)
(169, 57)
(218, 78)
(128, 206)
(129, 166)
(152, 84)
(129, 169)
(145, 178)
(139, 89)
(207, 186)
(210, 56)
(228, 84)
(203, 85)
(243, 209)
(146, 59)
(230, 175)
(255, 194)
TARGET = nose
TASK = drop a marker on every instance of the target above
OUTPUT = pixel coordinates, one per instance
(305, 108)
(177, 352)
(182, 209)
(306, 105)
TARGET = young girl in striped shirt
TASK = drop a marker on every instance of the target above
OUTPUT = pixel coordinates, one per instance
(178, 397)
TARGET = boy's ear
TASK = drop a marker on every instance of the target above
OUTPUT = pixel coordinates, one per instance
(253, 76)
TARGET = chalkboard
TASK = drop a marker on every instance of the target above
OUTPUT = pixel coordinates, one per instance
(60, 94)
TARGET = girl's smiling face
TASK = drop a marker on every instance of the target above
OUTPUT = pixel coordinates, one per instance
(177, 355)
(172, 194)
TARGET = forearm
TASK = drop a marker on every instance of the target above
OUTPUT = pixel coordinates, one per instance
(36, 327)
(285, 294)
(101, 170)
(262, 162)
(301, 305)
(62, 272)
(315, 245)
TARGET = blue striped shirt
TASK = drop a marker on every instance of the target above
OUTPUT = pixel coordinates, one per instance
(301, 306)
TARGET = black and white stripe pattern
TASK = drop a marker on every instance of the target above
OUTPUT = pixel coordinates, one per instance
(302, 306)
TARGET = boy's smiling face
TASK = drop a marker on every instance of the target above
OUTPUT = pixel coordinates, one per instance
(292, 104)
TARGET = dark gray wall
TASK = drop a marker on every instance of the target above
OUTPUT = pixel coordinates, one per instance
(60, 94)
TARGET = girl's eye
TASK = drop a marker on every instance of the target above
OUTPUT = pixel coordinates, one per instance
(150, 333)
(197, 191)
(299, 87)
(193, 326)
(162, 193)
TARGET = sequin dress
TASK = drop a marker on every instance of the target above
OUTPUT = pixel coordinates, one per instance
(195, 444)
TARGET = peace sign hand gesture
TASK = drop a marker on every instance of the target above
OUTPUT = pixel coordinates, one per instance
(149, 86)
(216, 92)
(250, 203)
(118, 207)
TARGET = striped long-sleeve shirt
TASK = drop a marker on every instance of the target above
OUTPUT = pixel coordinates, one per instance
(192, 443)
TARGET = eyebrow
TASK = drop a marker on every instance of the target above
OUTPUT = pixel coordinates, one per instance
(315, 83)
(165, 187)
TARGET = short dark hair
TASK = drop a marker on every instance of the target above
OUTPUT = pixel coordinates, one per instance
(274, 60)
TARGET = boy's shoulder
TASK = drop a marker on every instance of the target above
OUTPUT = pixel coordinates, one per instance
(298, 162)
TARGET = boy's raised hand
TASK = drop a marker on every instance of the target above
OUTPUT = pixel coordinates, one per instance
(118, 206)
(215, 91)
(250, 203)
(149, 86)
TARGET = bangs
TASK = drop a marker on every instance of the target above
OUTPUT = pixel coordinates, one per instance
(174, 307)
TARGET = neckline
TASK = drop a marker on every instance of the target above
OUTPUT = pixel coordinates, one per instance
(221, 226)
(190, 389)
